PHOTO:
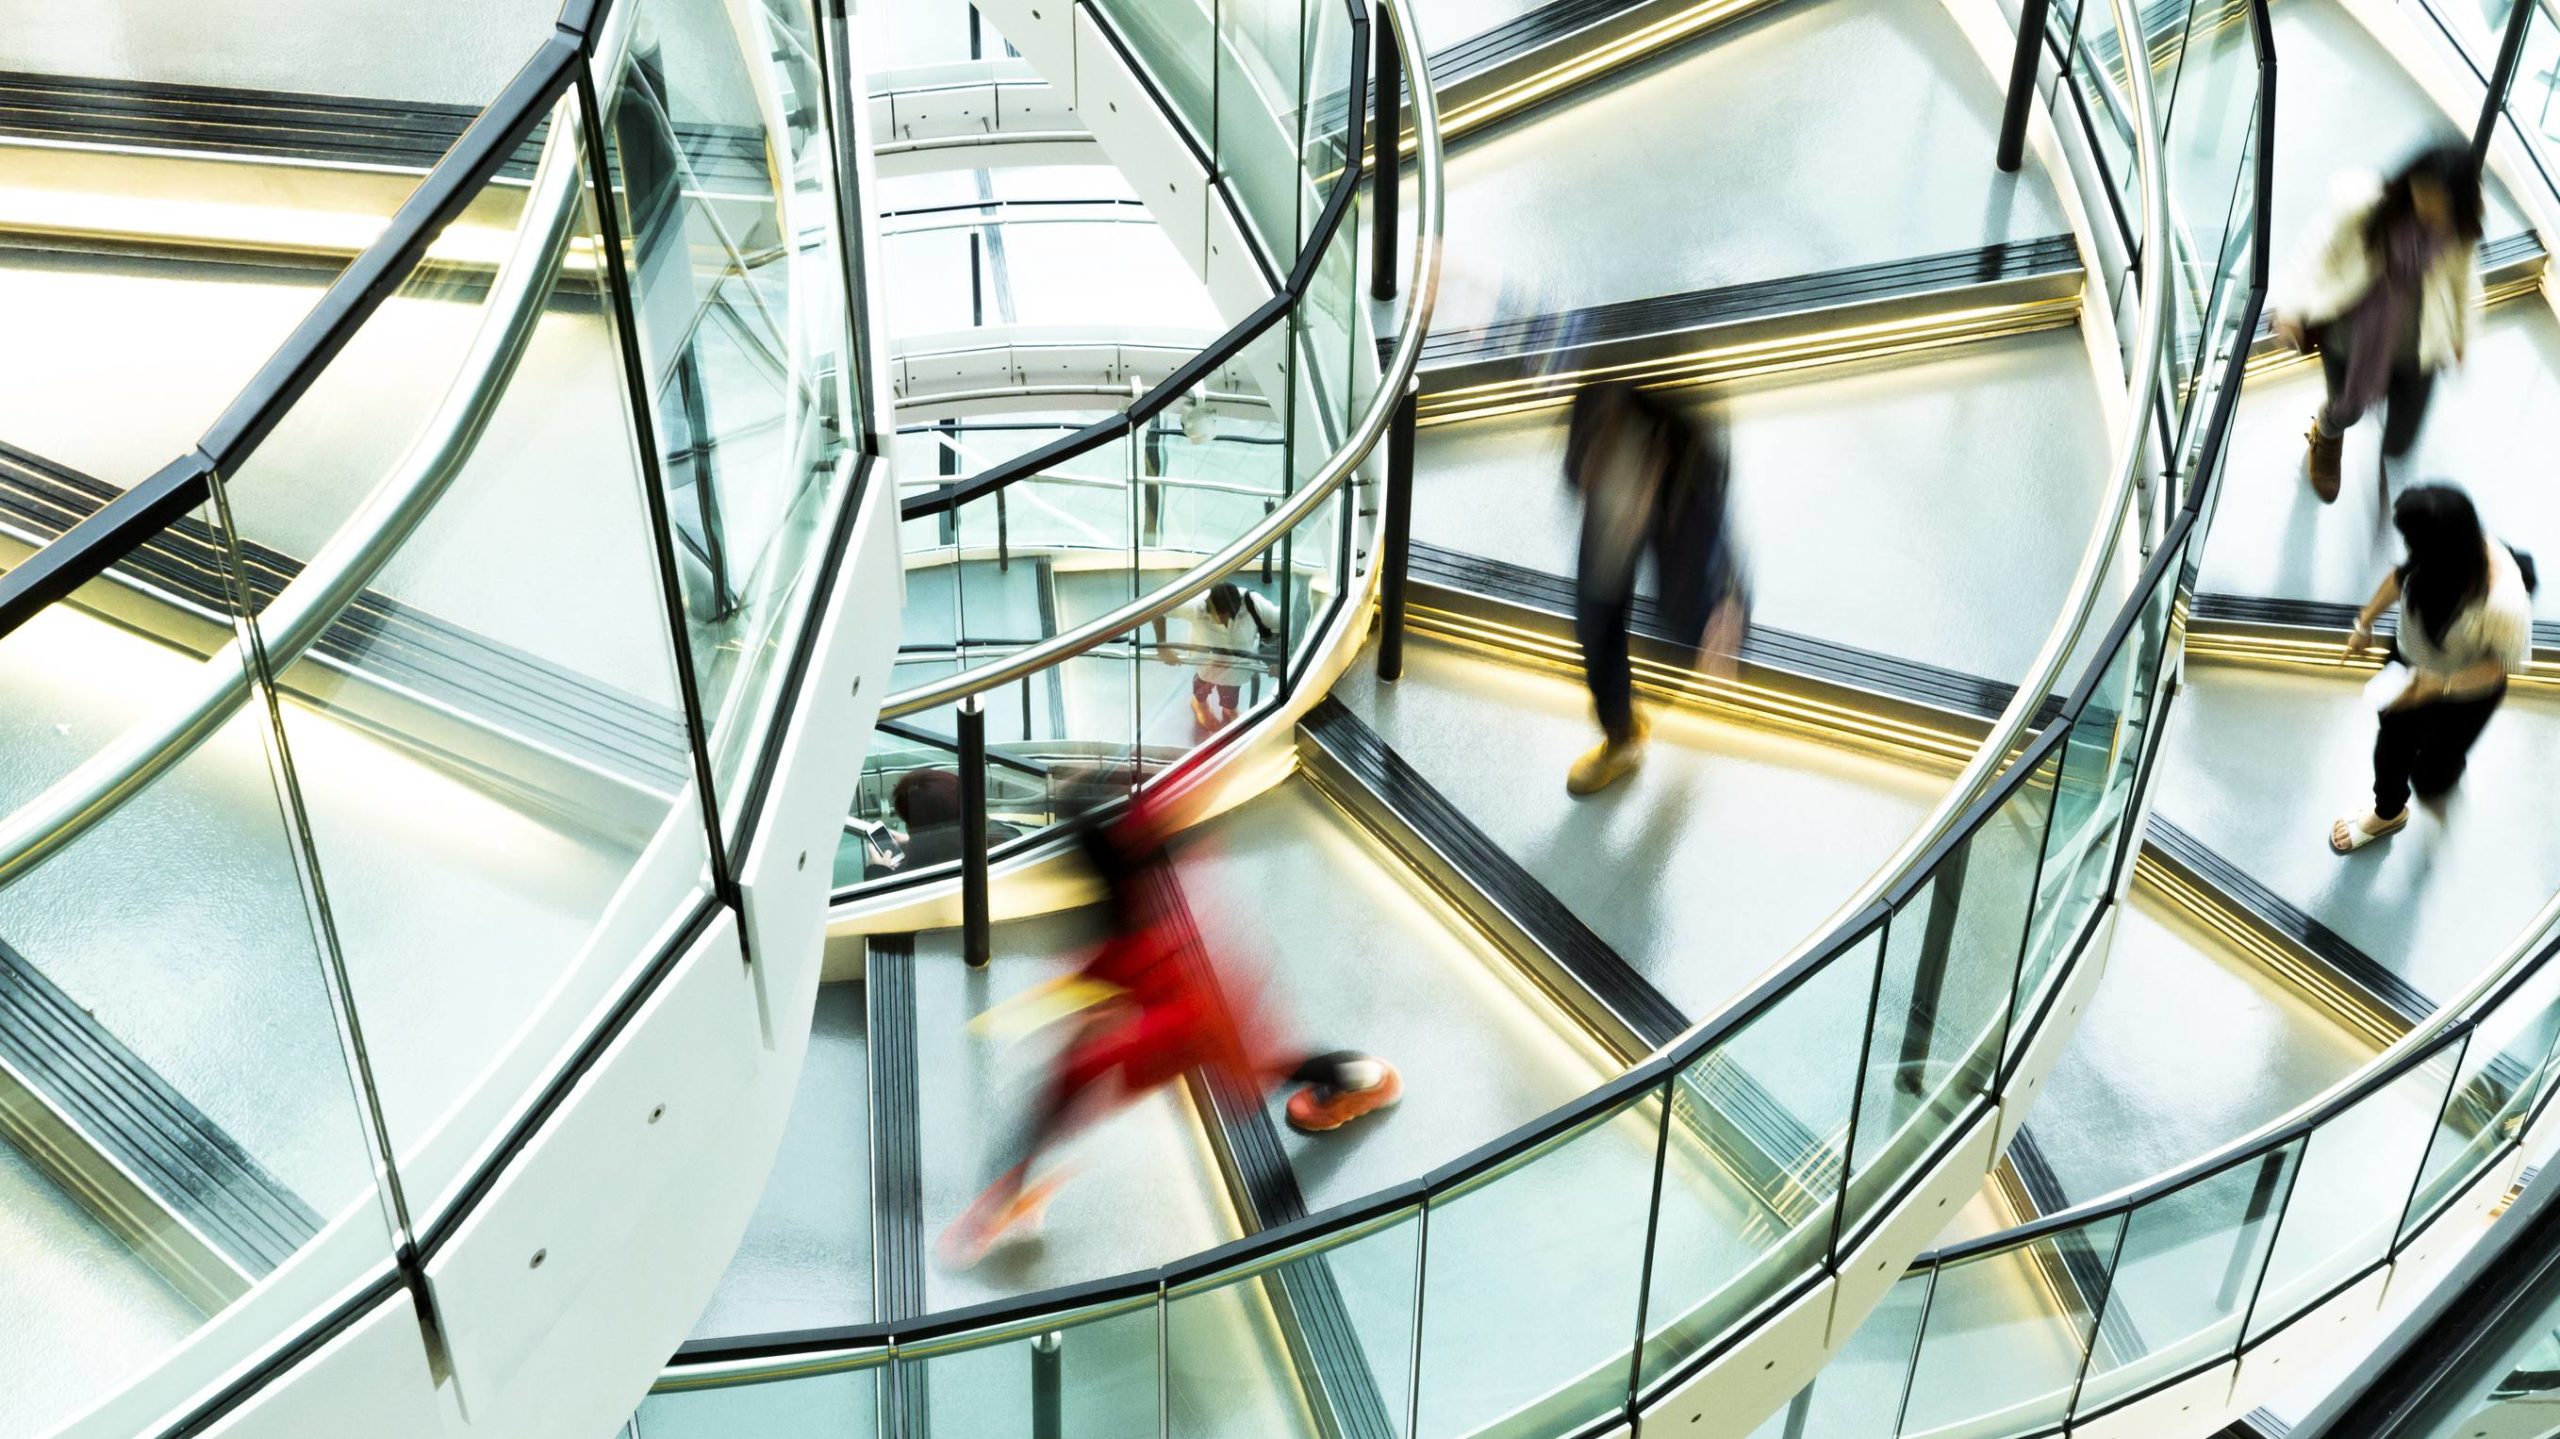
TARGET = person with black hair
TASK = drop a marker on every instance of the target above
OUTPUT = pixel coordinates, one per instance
(2466, 621)
(927, 802)
(2386, 291)
(1232, 630)
(1650, 480)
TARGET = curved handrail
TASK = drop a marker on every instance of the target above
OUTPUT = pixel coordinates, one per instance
(715, 1363)
(336, 576)
(1395, 379)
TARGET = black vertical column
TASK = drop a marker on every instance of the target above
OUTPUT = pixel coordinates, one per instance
(1386, 164)
(2502, 79)
(1396, 544)
(2022, 83)
(973, 832)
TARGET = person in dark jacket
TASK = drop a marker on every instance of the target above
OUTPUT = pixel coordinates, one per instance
(1650, 480)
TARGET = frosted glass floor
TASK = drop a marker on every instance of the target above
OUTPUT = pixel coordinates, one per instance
(2259, 763)
(1145, 1190)
(2183, 1048)
(1355, 955)
(1704, 869)
(2492, 429)
(1933, 511)
(805, 1261)
(1808, 138)
(83, 1315)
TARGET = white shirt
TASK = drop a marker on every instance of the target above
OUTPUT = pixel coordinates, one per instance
(2498, 626)
(1225, 653)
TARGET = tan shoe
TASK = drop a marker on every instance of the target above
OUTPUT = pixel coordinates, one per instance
(1607, 762)
(2323, 461)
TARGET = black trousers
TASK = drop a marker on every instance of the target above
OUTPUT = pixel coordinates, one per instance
(2425, 747)
(1600, 627)
(2404, 399)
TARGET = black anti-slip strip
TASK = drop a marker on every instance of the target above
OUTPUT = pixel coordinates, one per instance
(897, 1131)
(285, 124)
(1314, 1319)
(1759, 1137)
(377, 634)
(173, 1149)
(1645, 1010)
(1758, 299)
(2278, 915)
(2317, 615)
(1846, 665)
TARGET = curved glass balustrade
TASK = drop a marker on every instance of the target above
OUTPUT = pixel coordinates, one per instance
(1562, 1278)
(366, 758)
(1009, 553)
(2112, 1301)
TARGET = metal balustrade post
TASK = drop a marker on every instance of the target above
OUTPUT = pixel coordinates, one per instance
(1386, 152)
(1048, 1384)
(2502, 79)
(2022, 83)
(1396, 544)
(973, 833)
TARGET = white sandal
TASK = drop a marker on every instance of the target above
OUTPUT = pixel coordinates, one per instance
(2358, 836)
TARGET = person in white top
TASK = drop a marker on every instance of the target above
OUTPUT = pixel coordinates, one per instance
(2466, 621)
(1229, 627)
(2385, 290)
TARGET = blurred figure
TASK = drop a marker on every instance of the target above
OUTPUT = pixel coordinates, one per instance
(1648, 480)
(2466, 620)
(2385, 290)
(927, 803)
(1151, 1006)
(1231, 628)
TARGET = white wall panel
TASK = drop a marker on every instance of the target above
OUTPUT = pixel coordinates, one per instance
(372, 1378)
(1751, 1381)
(2194, 1405)
(1141, 139)
(1873, 1267)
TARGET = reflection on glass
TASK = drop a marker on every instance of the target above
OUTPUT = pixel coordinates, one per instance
(1527, 1321)
(2181, 1284)
(511, 847)
(1942, 1010)
(722, 180)
(2006, 1334)
(1759, 1130)
(842, 1404)
(2344, 1208)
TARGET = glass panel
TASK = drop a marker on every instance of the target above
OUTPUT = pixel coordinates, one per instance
(1176, 44)
(1859, 1394)
(1759, 1127)
(984, 1386)
(2209, 128)
(2345, 1205)
(1950, 961)
(1239, 1350)
(178, 1121)
(2502, 1067)
(498, 857)
(843, 1405)
(722, 180)
(2098, 67)
(2094, 795)
(2190, 1261)
(1533, 1279)
(1259, 73)
(2006, 1335)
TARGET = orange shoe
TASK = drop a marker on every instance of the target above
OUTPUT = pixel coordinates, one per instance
(1313, 1110)
(988, 1223)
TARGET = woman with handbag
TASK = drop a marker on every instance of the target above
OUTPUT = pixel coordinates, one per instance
(2466, 621)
